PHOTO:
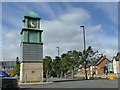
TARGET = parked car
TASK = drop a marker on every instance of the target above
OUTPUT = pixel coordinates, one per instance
(7, 82)
(69, 76)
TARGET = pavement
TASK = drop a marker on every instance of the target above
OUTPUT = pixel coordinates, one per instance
(35, 83)
(50, 80)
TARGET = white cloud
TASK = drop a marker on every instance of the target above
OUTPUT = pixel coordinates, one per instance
(108, 46)
(63, 28)
(11, 44)
(96, 28)
(66, 33)
(49, 11)
(75, 15)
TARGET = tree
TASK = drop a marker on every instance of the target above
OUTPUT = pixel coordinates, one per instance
(64, 64)
(88, 58)
(74, 61)
(56, 66)
(16, 70)
(47, 66)
(70, 62)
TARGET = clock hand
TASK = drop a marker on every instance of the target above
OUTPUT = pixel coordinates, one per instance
(32, 24)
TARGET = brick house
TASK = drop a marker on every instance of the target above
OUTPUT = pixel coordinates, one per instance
(100, 65)
(97, 67)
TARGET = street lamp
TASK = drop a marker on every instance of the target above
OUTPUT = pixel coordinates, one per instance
(58, 51)
(58, 75)
(84, 52)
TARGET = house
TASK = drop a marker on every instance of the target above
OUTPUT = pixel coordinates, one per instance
(98, 68)
(116, 64)
(100, 65)
(7, 66)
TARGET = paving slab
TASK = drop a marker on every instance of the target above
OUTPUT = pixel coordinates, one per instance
(35, 83)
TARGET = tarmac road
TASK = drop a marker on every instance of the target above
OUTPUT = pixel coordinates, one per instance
(76, 84)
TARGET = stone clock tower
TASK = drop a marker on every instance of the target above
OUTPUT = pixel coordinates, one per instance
(31, 68)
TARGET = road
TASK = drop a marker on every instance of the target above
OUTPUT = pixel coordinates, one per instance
(76, 84)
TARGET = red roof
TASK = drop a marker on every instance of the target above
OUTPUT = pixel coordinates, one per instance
(100, 60)
(9, 71)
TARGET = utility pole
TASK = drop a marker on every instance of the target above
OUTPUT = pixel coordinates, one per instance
(84, 52)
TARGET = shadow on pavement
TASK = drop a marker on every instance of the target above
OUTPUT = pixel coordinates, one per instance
(77, 79)
(25, 89)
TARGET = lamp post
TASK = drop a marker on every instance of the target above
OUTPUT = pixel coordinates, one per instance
(58, 71)
(58, 51)
(84, 52)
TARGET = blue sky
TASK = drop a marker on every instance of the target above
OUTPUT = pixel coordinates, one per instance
(61, 24)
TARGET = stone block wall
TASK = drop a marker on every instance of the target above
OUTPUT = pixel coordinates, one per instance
(31, 72)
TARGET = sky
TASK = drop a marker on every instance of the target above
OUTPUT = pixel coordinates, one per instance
(60, 22)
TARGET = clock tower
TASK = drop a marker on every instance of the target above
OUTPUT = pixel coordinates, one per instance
(31, 67)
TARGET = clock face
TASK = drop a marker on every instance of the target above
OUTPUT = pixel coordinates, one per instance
(32, 23)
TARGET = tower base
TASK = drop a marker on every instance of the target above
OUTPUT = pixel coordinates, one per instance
(31, 72)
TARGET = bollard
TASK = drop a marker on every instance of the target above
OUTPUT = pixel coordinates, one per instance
(112, 77)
